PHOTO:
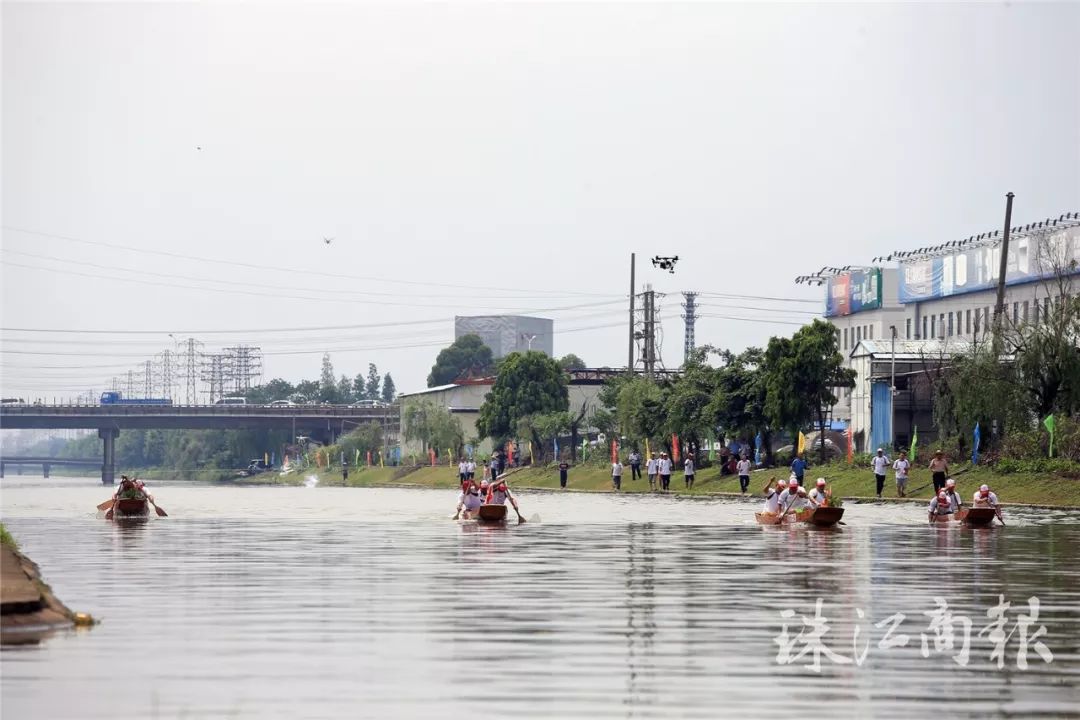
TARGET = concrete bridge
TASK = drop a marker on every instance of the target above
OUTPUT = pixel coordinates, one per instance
(324, 421)
(46, 463)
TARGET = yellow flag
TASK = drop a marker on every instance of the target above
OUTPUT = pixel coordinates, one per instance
(266, 458)
(531, 461)
(647, 453)
(449, 457)
(380, 459)
(802, 444)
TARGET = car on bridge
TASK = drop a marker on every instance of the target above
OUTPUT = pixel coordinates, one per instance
(283, 403)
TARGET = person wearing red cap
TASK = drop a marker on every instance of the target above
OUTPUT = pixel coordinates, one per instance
(952, 495)
(985, 498)
(469, 502)
(772, 497)
(794, 498)
(940, 505)
(499, 493)
(819, 496)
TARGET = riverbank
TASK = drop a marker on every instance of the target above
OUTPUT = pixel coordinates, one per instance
(28, 608)
(845, 481)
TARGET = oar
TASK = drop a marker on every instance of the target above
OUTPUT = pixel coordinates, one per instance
(784, 514)
(159, 511)
(105, 505)
(923, 487)
(520, 519)
(997, 512)
(109, 514)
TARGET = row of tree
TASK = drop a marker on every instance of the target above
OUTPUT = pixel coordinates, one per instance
(328, 388)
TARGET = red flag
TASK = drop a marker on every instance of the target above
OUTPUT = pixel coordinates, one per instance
(614, 451)
(510, 453)
(369, 458)
(674, 448)
(850, 445)
(431, 456)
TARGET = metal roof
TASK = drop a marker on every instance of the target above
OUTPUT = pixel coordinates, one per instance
(910, 349)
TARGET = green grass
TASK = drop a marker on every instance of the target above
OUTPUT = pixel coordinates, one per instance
(845, 481)
(6, 539)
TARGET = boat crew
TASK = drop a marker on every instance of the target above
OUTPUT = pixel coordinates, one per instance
(469, 502)
(940, 505)
(499, 493)
(985, 498)
(772, 497)
(794, 498)
(953, 496)
(819, 496)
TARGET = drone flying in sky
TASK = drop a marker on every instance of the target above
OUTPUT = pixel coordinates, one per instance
(328, 240)
(665, 263)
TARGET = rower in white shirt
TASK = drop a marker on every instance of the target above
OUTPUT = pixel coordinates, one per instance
(772, 496)
(819, 496)
(985, 498)
(794, 498)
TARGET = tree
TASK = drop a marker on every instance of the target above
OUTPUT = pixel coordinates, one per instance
(306, 390)
(345, 390)
(365, 438)
(276, 389)
(328, 388)
(432, 425)
(689, 402)
(738, 407)
(542, 428)
(373, 382)
(527, 383)
(571, 362)
(389, 392)
(800, 374)
(467, 356)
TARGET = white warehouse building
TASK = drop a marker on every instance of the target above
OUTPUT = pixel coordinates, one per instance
(936, 304)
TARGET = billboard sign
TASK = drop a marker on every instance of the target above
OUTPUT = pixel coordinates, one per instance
(1031, 258)
(853, 292)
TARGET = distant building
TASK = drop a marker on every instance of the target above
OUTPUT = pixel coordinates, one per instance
(505, 334)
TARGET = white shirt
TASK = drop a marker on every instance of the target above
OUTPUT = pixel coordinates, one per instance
(954, 500)
(980, 500)
(470, 466)
(797, 501)
(743, 467)
(688, 466)
(650, 467)
(664, 466)
(901, 467)
(940, 508)
(880, 463)
(616, 469)
(462, 467)
(772, 502)
(817, 496)
(470, 501)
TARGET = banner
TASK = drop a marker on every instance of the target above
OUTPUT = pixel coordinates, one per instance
(850, 444)
(431, 456)
(800, 448)
(674, 448)
(510, 453)
(853, 292)
(1051, 425)
(964, 270)
(914, 443)
(556, 444)
(368, 457)
(757, 449)
(975, 446)
(380, 459)
(648, 453)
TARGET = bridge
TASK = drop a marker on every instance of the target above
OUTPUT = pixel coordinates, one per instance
(326, 421)
(46, 463)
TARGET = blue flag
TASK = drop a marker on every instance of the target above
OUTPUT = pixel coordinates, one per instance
(757, 449)
(556, 449)
(975, 449)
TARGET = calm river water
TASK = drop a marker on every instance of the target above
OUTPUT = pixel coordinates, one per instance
(333, 603)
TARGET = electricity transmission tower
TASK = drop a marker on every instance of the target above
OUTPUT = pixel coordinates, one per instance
(648, 333)
(689, 318)
(212, 372)
(189, 368)
(243, 364)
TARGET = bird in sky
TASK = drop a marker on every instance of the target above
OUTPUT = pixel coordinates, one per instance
(328, 240)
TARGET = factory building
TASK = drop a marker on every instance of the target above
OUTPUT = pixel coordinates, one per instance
(505, 334)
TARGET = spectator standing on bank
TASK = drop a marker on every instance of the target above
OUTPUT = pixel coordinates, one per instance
(901, 466)
(880, 463)
(616, 474)
(564, 469)
(635, 465)
(798, 468)
(650, 470)
(939, 466)
(743, 469)
(663, 468)
(688, 472)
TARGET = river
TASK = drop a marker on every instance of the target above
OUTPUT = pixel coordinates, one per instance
(332, 602)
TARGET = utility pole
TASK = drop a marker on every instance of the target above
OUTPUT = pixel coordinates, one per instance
(648, 301)
(630, 357)
(689, 317)
(892, 387)
(999, 306)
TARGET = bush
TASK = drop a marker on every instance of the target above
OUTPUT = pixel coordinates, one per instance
(1056, 466)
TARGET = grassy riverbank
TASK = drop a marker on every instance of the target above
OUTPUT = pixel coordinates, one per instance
(848, 482)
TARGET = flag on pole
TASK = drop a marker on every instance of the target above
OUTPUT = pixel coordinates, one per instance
(712, 449)
(850, 444)
(532, 460)
(914, 443)
(802, 444)
(556, 444)
(975, 446)
(584, 448)
(368, 457)
(1051, 425)
(757, 449)
(614, 451)
(510, 452)
(380, 459)
(449, 457)
(674, 448)
(431, 456)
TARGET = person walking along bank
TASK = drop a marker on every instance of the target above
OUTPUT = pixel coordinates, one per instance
(880, 463)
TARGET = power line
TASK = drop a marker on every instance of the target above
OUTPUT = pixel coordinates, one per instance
(317, 273)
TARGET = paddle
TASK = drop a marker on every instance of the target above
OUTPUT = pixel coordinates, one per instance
(997, 512)
(784, 514)
(520, 519)
(159, 511)
(105, 505)
(923, 487)
(109, 514)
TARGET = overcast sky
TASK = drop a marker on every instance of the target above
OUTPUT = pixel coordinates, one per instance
(174, 168)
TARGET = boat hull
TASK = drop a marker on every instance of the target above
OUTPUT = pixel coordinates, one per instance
(764, 518)
(131, 508)
(491, 513)
(823, 516)
(978, 516)
(942, 519)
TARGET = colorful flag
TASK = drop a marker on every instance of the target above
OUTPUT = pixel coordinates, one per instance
(757, 449)
(914, 443)
(380, 459)
(556, 443)
(584, 447)
(712, 449)
(647, 453)
(674, 448)
(532, 461)
(449, 457)
(850, 444)
(975, 446)
(510, 453)
(1051, 425)
(368, 458)
(431, 456)
(802, 444)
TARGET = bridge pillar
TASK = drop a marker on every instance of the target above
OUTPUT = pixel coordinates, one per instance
(108, 465)
(1, 470)
(45, 470)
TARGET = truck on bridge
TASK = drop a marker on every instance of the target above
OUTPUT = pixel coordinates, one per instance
(115, 398)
